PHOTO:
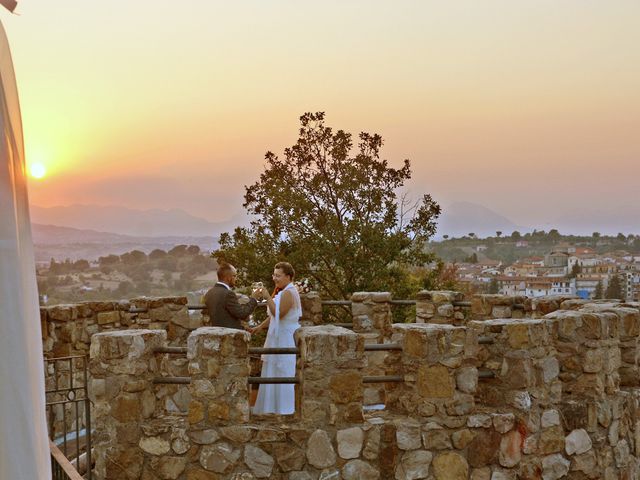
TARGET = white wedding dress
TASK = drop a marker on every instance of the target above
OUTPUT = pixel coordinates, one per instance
(280, 398)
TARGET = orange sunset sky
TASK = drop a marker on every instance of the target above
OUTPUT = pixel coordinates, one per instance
(530, 108)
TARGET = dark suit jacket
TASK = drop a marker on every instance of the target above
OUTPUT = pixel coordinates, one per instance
(224, 309)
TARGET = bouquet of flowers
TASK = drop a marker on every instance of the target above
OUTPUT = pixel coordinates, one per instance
(303, 285)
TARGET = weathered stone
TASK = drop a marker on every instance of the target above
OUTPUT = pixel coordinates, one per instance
(270, 435)
(359, 470)
(593, 360)
(577, 442)
(169, 468)
(450, 466)
(436, 440)
(408, 436)
(481, 474)
(299, 476)
(219, 458)
(330, 474)
(462, 438)
(346, 387)
(621, 453)
(237, 433)
(154, 445)
(550, 369)
(467, 379)
(195, 473)
(586, 463)
(479, 421)
(503, 422)
(196, 412)
(204, 437)
(288, 457)
(125, 464)
(550, 418)
(180, 444)
(503, 475)
(518, 335)
(372, 445)
(148, 403)
(320, 452)
(554, 466)
(510, 453)
(350, 442)
(126, 408)
(219, 411)
(259, 461)
(483, 449)
(108, 317)
(414, 465)
(551, 440)
(435, 382)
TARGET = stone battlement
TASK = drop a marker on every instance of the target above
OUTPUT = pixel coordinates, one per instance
(551, 391)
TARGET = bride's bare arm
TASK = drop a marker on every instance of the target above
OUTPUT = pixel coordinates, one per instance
(286, 302)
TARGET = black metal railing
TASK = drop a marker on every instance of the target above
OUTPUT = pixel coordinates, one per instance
(61, 467)
(67, 396)
(338, 303)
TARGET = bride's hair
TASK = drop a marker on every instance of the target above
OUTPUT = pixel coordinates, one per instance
(286, 268)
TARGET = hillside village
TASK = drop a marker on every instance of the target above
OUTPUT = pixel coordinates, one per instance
(535, 264)
(590, 268)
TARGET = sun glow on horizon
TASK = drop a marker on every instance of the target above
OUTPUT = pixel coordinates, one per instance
(37, 170)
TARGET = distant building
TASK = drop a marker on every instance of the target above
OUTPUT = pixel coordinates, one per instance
(556, 259)
(538, 287)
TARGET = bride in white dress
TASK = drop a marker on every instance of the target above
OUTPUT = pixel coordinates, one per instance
(284, 311)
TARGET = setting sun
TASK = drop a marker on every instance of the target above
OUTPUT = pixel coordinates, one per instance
(38, 170)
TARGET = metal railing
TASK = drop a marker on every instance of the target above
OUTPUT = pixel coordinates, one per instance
(61, 467)
(337, 303)
(69, 398)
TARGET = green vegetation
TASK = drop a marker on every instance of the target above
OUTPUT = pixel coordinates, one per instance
(131, 274)
(505, 249)
(336, 217)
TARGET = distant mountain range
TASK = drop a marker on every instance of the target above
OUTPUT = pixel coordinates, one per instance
(89, 231)
(128, 221)
(462, 218)
(61, 243)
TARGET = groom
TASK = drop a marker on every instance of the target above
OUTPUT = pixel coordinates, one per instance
(222, 303)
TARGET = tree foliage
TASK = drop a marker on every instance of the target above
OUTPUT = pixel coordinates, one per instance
(333, 211)
(614, 289)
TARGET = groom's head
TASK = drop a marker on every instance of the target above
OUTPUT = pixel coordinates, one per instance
(227, 274)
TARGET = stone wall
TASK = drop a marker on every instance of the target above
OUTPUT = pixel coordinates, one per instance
(530, 398)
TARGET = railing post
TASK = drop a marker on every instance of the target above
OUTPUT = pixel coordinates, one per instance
(219, 368)
(372, 318)
(331, 361)
(437, 307)
(311, 309)
(438, 364)
(122, 369)
(372, 314)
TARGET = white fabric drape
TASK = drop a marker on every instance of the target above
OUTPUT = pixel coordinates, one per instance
(24, 447)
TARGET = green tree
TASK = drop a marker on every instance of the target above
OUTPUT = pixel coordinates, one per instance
(334, 215)
(515, 235)
(473, 258)
(575, 270)
(599, 291)
(554, 235)
(614, 289)
(157, 254)
(494, 286)
(498, 233)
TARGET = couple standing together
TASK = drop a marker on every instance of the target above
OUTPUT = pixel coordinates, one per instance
(283, 313)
